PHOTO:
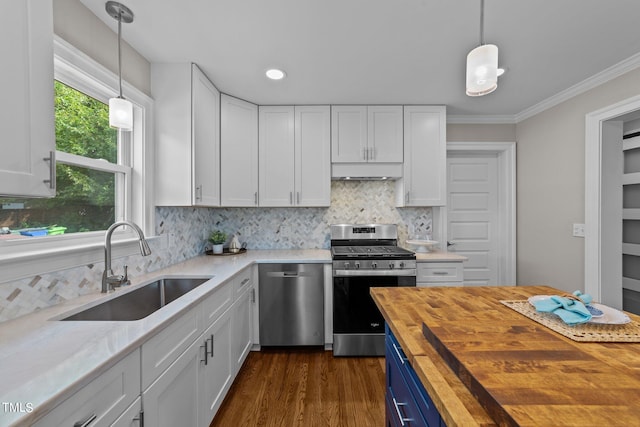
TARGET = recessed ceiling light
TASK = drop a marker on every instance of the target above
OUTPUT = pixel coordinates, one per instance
(275, 74)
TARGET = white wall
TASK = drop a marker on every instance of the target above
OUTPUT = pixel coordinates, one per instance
(79, 26)
(481, 132)
(550, 188)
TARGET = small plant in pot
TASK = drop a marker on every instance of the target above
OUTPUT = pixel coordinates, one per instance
(217, 238)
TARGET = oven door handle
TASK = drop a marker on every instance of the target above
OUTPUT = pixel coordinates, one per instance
(347, 273)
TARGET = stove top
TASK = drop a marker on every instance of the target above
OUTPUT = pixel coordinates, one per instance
(364, 252)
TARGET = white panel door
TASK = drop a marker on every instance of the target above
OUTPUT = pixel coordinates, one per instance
(472, 215)
(276, 155)
(348, 133)
(238, 152)
(384, 134)
(26, 115)
(206, 140)
(313, 156)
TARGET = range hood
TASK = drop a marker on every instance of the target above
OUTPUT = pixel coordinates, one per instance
(366, 171)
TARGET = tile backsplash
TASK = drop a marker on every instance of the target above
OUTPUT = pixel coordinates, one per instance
(187, 230)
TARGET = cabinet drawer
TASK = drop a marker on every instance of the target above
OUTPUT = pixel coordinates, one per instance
(440, 272)
(243, 280)
(164, 348)
(106, 397)
(218, 302)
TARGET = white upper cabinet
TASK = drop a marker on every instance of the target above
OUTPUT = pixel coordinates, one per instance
(238, 152)
(425, 162)
(361, 134)
(188, 136)
(276, 148)
(27, 116)
(295, 161)
(348, 134)
(313, 156)
(384, 134)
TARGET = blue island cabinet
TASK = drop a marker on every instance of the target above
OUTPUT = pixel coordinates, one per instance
(407, 402)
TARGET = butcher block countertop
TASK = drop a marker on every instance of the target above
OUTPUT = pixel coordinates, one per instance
(485, 364)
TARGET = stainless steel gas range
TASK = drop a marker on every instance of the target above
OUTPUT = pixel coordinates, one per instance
(364, 256)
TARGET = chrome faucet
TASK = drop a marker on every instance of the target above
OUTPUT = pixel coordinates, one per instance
(109, 280)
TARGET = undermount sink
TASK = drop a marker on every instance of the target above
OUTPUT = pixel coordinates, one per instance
(138, 304)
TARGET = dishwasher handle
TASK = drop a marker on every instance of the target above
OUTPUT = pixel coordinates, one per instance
(292, 274)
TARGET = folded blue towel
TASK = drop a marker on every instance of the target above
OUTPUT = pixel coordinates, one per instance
(571, 312)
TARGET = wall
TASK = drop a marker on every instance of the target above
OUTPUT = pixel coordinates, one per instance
(188, 228)
(79, 26)
(481, 132)
(551, 175)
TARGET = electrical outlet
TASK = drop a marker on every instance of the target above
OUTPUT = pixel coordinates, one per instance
(578, 230)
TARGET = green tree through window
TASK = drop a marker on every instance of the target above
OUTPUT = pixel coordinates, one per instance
(85, 198)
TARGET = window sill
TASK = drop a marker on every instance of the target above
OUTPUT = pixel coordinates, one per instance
(54, 254)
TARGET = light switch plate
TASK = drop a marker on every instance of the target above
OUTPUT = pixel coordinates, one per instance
(578, 230)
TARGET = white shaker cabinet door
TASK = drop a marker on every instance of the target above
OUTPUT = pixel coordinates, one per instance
(276, 159)
(348, 134)
(206, 140)
(424, 181)
(312, 156)
(238, 152)
(384, 134)
(27, 114)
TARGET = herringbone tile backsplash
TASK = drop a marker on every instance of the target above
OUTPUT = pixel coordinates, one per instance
(261, 228)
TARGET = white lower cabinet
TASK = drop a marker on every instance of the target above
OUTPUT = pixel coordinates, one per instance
(132, 417)
(103, 401)
(193, 384)
(172, 400)
(439, 274)
(217, 370)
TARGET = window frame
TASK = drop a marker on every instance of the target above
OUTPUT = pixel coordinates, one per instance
(22, 258)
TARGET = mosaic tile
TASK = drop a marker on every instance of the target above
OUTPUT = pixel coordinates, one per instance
(261, 228)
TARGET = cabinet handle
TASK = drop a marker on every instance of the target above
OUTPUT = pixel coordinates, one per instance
(253, 295)
(364, 153)
(244, 282)
(372, 154)
(400, 417)
(440, 273)
(85, 422)
(255, 198)
(297, 197)
(406, 197)
(139, 419)
(52, 170)
(212, 352)
(400, 356)
(206, 352)
(291, 197)
(199, 192)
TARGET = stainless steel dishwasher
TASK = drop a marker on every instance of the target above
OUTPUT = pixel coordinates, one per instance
(291, 304)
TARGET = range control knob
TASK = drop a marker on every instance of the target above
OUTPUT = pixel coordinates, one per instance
(374, 265)
(357, 265)
(401, 264)
(346, 265)
(391, 265)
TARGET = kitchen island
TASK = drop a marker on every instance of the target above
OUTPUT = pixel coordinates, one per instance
(482, 363)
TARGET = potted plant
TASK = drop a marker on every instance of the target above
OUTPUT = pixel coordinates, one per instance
(217, 238)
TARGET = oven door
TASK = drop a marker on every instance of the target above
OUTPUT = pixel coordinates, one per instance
(354, 311)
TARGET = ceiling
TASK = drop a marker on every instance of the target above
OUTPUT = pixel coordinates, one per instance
(385, 51)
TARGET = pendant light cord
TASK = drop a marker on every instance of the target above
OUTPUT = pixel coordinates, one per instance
(120, 53)
(481, 22)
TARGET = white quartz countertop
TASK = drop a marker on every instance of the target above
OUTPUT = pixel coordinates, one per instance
(43, 361)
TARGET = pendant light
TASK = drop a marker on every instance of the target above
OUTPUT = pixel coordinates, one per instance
(482, 65)
(120, 109)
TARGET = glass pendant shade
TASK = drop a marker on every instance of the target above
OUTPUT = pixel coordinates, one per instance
(482, 70)
(120, 114)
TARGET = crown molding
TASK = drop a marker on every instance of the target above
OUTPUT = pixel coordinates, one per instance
(622, 67)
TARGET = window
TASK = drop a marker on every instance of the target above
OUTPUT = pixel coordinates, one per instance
(92, 173)
(109, 176)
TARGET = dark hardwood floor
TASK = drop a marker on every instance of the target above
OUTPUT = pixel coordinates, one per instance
(305, 387)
